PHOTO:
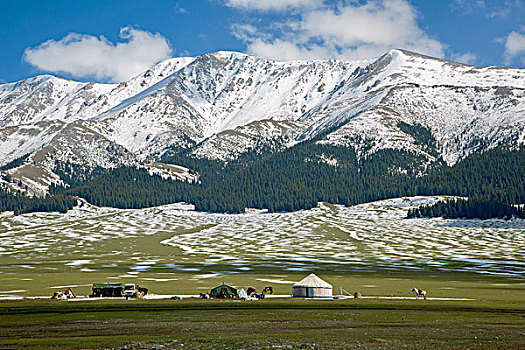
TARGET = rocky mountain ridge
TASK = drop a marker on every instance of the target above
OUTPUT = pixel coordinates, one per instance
(224, 104)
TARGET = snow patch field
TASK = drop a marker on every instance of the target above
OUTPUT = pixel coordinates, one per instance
(359, 238)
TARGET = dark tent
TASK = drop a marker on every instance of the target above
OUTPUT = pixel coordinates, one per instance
(223, 291)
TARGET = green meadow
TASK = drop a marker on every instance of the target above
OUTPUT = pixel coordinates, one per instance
(265, 324)
(472, 270)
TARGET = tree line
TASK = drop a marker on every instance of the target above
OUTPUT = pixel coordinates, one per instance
(473, 208)
(20, 203)
(298, 178)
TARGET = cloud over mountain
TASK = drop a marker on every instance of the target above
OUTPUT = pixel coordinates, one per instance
(272, 5)
(515, 46)
(349, 30)
(85, 56)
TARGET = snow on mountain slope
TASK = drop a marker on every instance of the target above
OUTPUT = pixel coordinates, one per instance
(33, 99)
(225, 103)
(223, 91)
(466, 108)
(256, 136)
(17, 141)
(50, 98)
(461, 120)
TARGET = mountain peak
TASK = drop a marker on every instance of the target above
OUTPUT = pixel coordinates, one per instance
(223, 104)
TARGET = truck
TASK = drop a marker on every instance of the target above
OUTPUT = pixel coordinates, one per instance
(134, 291)
(130, 290)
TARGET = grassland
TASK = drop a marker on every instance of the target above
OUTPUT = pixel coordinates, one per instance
(295, 324)
(175, 251)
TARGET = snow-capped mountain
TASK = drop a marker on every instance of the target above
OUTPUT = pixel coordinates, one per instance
(224, 104)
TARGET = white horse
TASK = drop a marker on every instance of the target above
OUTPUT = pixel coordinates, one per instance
(419, 292)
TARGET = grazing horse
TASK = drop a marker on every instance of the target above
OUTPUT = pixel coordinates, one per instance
(267, 290)
(142, 290)
(419, 292)
(250, 291)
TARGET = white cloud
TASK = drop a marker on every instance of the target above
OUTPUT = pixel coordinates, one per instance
(88, 56)
(378, 24)
(349, 31)
(180, 10)
(468, 6)
(286, 51)
(468, 58)
(515, 46)
(272, 5)
(491, 9)
(249, 33)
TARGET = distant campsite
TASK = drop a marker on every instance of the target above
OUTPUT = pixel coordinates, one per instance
(310, 287)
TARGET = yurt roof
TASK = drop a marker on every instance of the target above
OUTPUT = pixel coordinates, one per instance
(312, 281)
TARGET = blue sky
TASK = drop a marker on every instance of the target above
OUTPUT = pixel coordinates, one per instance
(112, 40)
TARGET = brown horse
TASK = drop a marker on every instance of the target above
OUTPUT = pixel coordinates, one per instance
(251, 290)
(267, 290)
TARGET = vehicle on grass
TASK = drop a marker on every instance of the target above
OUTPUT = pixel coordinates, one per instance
(117, 290)
(130, 290)
(134, 291)
(106, 290)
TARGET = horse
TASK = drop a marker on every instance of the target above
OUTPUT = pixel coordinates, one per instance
(251, 290)
(419, 292)
(142, 290)
(267, 290)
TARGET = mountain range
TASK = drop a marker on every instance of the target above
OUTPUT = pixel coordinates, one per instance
(224, 105)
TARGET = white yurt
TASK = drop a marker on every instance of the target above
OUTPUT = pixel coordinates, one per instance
(312, 287)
